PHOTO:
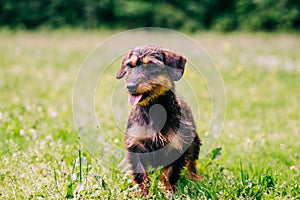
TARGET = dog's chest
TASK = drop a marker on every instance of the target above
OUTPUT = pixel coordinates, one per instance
(140, 132)
(147, 138)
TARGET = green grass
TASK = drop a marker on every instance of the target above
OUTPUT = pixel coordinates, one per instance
(42, 157)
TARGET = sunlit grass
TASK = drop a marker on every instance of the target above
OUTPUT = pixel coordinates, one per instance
(41, 156)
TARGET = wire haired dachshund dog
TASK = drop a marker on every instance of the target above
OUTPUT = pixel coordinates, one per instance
(161, 130)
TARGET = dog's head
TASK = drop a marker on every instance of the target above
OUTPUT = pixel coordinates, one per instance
(149, 72)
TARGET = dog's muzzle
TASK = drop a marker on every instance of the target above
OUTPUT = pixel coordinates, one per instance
(131, 87)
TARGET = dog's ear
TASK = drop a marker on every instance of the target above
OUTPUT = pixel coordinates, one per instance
(175, 64)
(124, 66)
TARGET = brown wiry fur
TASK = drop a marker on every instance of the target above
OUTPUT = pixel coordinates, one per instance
(153, 70)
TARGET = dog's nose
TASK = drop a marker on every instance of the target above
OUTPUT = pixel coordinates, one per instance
(131, 87)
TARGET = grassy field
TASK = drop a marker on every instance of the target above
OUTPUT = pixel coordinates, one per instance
(42, 157)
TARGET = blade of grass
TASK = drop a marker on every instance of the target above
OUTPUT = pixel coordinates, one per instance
(80, 165)
(55, 180)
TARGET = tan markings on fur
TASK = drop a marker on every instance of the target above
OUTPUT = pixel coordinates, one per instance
(138, 134)
(147, 59)
(159, 90)
(158, 86)
(132, 60)
(164, 179)
(142, 187)
(163, 80)
(192, 172)
(176, 141)
(143, 88)
(165, 173)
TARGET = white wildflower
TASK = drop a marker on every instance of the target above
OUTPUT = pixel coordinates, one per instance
(248, 141)
(20, 118)
(33, 133)
(22, 132)
(53, 114)
(39, 108)
(73, 177)
(116, 140)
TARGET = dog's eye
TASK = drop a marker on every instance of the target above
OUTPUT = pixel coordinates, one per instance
(130, 65)
(158, 57)
(157, 62)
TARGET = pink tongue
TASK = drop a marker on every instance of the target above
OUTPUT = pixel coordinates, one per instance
(134, 99)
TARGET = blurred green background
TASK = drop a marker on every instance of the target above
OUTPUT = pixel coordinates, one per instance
(191, 16)
(43, 43)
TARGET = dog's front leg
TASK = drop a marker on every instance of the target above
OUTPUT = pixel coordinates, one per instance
(139, 175)
(171, 174)
(143, 182)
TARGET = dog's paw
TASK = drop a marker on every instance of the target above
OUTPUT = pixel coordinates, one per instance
(195, 177)
(140, 191)
(169, 188)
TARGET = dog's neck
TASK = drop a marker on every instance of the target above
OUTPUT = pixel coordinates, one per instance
(165, 116)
